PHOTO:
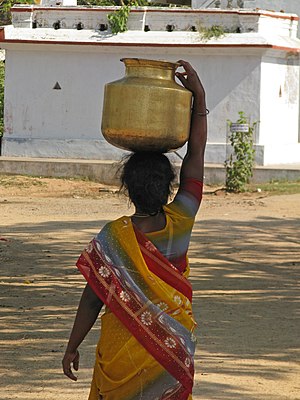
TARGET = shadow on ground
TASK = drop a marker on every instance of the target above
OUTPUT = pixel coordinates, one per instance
(244, 276)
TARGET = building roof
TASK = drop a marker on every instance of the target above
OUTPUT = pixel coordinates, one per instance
(259, 29)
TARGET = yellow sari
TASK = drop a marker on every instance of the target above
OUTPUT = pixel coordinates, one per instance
(146, 346)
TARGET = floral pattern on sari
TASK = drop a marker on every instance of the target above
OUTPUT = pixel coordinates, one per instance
(144, 299)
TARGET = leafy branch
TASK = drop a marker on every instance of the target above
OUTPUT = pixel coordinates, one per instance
(118, 19)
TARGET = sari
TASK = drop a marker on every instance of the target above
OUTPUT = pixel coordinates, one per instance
(146, 348)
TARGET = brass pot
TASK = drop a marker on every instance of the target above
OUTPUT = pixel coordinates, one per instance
(146, 110)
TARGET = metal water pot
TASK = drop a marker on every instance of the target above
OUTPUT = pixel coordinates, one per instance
(146, 110)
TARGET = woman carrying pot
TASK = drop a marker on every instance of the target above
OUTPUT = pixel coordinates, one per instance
(137, 267)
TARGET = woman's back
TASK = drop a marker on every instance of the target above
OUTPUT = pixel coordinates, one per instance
(170, 230)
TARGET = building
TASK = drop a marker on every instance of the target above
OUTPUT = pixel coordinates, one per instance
(59, 58)
(287, 6)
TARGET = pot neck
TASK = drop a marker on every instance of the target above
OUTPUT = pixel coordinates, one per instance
(155, 69)
(150, 72)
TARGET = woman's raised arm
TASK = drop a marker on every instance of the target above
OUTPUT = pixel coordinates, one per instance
(193, 162)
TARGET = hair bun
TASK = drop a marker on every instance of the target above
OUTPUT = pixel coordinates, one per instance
(147, 177)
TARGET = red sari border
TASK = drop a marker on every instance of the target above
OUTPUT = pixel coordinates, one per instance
(101, 276)
(161, 266)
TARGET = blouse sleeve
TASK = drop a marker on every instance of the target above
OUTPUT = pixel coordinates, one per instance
(188, 198)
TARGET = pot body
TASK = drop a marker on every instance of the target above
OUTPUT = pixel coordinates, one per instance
(146, 110)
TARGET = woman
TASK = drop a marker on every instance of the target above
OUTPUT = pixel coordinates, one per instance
(137, 266)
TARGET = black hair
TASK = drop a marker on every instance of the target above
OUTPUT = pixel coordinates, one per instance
(147, 177)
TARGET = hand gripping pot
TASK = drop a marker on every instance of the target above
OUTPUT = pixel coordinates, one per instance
(147, 110)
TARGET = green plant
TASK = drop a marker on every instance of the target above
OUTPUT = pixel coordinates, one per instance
(118, 19)
(239, 165)
(5, 6)
(275, 187)
(215, 31)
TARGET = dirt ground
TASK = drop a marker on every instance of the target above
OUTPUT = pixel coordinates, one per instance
(245, 259)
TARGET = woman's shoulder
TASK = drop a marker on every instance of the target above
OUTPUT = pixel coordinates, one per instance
(110, 226)
(187, 200)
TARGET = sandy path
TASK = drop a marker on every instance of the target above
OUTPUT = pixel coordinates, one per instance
(245, 259)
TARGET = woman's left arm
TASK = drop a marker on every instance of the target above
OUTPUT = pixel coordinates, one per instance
(87, 313)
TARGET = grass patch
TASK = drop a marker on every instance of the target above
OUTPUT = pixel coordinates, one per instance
(26, 182)
(212, 32)
(20, 181)
(275, 187)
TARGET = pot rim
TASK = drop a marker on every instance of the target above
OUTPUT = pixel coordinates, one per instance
(143, 62)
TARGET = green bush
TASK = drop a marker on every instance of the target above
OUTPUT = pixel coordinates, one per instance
(239, 165)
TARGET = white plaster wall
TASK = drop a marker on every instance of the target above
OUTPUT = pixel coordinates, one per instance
(43, 122)
(279, 111)
(289, 6)
(156, 18)
(55, 3)
(279, 102)
(232, 85)
(73, 111)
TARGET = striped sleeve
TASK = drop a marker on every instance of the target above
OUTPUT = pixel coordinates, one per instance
(188, 198)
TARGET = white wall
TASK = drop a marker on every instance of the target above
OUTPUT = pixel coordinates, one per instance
(289, 6)
(51, 113)
(279, 102)
(55, 3)
(43, 122)
(56, 121)
(66, 123)
(232, 85)
(279, 110)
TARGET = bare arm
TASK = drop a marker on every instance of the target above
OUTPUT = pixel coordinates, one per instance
(193, 163)
(87, 313)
